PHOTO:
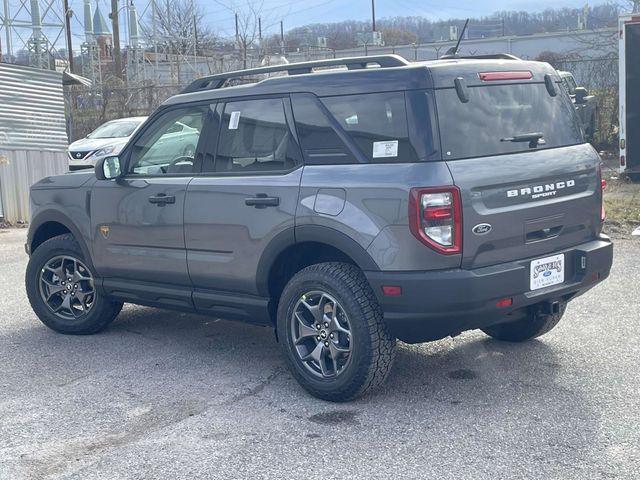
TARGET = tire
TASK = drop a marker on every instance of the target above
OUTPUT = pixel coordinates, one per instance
(532, 326)
(87, 311)
(354, 308)
(634, 177)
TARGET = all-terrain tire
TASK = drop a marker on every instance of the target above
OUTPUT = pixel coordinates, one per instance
(103, 310)
(532, 326)
(373, 347)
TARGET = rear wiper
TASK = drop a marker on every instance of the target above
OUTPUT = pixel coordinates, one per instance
(533, 138)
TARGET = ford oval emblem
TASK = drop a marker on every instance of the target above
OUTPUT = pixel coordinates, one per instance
(481, 229)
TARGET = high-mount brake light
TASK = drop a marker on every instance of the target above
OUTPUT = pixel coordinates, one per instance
(514, 75)
(435, 218)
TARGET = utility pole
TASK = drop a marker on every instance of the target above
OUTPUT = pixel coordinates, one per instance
(117, 55)
(7, 28)
(260, 51)
(237, 37)
(195, 36)
(503, 29)
(282, 36)
(154, 19)
(67, 27)
(373, 15)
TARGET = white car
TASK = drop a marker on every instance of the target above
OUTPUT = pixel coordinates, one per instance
(106, 140)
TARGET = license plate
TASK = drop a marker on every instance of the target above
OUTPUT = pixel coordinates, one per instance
(547, 271)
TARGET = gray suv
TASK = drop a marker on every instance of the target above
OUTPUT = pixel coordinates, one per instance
(345, 207)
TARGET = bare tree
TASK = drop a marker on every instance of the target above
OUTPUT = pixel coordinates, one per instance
(180, 25)
(179, 28)
(248, 18)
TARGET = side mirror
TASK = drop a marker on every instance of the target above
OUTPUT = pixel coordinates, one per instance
(108, 168)
(581, 94)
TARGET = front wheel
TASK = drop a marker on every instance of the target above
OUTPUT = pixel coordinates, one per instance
(62, 291)
(533, 325)
(332, 332)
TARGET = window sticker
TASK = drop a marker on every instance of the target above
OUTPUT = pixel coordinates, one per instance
(234, 120)
(385, 149)
(352, 120)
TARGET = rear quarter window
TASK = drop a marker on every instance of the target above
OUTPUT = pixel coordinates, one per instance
(377, 122)
(495, 113)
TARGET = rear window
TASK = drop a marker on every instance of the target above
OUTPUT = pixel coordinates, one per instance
(497, 113)
(377, 122)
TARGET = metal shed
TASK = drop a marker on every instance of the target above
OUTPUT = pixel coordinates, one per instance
(33, 135)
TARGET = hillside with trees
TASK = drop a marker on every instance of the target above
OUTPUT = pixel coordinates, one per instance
(404, 30)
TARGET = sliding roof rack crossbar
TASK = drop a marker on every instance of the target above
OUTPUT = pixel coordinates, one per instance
(216, 81)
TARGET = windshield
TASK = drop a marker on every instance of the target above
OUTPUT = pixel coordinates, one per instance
(115, 129)
(497, 117)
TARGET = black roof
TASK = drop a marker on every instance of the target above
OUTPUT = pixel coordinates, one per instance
(393, 74)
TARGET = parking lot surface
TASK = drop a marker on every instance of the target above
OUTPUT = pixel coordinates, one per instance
(170, 395)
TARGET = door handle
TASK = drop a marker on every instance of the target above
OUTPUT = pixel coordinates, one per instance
(162, 199)
(261, 200)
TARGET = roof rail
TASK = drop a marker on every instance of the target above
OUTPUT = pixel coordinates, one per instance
(218, 80)
(491, 56)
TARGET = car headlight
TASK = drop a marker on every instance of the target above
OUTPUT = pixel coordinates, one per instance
(104, 151)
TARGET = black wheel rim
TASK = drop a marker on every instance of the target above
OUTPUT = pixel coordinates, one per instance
(321, 334)
(66, 287)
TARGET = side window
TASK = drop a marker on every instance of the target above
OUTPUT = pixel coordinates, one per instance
(378, 124)
(320, 142)
(255, 137)
(169, 146)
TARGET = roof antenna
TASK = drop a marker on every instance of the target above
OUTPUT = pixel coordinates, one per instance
(453, 51)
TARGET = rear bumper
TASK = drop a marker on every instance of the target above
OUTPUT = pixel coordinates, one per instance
(439, 303)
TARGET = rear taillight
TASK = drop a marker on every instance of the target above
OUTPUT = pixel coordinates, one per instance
(435, 218)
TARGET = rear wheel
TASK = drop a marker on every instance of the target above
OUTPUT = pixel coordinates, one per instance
(332, 332)
(62, 291)
(533, 325)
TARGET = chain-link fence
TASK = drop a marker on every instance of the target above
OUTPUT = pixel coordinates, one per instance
(600, 77)
(89, 107)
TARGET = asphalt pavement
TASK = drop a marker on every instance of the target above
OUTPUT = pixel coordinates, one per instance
(176, 396)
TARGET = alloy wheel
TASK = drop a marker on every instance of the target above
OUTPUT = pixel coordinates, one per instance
(321, 334)
(67, 287)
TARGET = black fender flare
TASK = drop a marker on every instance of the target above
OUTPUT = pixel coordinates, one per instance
(51, 215)
(310, 233)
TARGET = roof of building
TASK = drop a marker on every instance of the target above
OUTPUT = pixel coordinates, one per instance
(100, 26)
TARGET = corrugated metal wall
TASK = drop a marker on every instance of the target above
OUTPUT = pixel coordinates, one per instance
(31, 109)
(33, 136)
(19, 169)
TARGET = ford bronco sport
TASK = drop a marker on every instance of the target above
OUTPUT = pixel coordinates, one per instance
(346, 207)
